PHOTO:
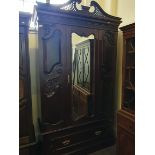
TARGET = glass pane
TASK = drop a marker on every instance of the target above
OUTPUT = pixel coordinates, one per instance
(129, 90)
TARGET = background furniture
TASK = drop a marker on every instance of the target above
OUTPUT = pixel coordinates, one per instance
(26, 130)
(60, 133)
(126, 116)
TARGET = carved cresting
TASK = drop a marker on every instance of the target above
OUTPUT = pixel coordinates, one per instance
(71, 6)
(52, 60)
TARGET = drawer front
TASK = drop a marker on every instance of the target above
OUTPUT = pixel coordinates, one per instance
(126, 123)
(77, 137)
(85, 147)
(68, 142)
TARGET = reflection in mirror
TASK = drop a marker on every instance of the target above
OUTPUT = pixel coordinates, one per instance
(82, 54)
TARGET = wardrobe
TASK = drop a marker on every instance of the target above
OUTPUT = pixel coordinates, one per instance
(77, 48)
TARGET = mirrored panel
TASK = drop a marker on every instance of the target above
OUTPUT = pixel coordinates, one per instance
(82, 63)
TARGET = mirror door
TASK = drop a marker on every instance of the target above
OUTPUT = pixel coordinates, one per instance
(83, 48)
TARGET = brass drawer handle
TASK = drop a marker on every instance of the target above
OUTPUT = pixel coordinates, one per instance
(98, 133)
(66, 142)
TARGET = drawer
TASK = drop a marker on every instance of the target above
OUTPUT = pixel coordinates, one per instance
(126, 122)
(85, 147)
(73, 139)
(76, 137)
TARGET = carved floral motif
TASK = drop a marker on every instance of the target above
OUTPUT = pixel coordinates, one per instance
(53, 82)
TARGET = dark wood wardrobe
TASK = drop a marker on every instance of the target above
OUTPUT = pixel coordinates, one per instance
(67, 127)
(26, 130)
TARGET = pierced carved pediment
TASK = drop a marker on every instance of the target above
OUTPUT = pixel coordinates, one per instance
(71, 6)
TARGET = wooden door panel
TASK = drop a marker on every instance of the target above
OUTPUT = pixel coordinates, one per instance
(52, 51)
(53, 70)
(106, 78)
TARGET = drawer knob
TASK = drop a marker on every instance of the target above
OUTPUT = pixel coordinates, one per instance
(66, 142)
(97, 133)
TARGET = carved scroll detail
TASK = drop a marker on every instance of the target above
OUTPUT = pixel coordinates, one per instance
(98, 10)
(47, 30)
(109, 38)
(53, 82)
